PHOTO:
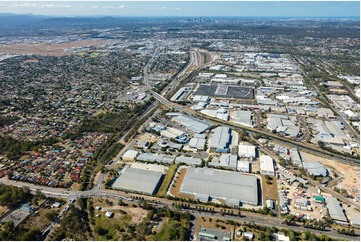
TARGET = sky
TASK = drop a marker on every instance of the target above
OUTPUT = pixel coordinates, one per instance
(185, 8)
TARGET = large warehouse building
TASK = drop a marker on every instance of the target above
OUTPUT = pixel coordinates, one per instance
(233, 187)
(139, 180)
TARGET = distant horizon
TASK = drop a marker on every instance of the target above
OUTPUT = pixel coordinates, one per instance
(199, 16)
(260, 9)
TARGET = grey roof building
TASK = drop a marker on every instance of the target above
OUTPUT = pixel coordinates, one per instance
(296, 157)
(194, 124)
(197, 143)
(233, 187)
(220, 138)
(139, 180)
(243, 117)
(315, 168)
(150, 157)
(226, 161)
(335, 210)
(188, 160)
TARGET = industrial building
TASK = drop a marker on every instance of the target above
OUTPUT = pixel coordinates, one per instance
(197, 143)
(139, 180)
(233, 187)
(161, 158)
(247, 152)
(194, 124)
(130, 155)
(335, 210)
(225, 160)
(221, 139)
(199, 98)
(283, 124)
(243, 118)
(188, 160)
(315, 168)
(221, 113)
(176, 134)
(266, 165)
(296, 157)
(244, 166)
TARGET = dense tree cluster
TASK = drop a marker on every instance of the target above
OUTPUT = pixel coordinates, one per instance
(11, 196)
(9, 232)
(73, 226)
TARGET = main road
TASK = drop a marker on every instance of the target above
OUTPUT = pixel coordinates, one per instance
(97, 191)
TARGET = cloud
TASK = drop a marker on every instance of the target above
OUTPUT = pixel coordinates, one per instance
(35, 5)
(167, 8)
(107, 7)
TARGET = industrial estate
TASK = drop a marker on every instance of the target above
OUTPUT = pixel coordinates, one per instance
(179, 129)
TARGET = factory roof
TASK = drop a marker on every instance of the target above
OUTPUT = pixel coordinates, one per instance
(200, 98)
(197, 143)
(220, 138)
(133, 179)
(315, 168)
(194, 124)
(296, 157)
(150, 157)
(130, 154)
(188, 160)
(221, 184)
(334, 209)
(248, 151)
(226, 160)
(243, 117)
(266, 165)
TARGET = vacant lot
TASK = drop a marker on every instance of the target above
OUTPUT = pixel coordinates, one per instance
(350, 174)
(176, 186)
(3, 210)
(167, 180)
(269, 191)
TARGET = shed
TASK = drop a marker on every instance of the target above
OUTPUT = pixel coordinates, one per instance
(319, 199)
(109, 214)
(206, 235)
(56, 205)
(270, 203)
(248, 235)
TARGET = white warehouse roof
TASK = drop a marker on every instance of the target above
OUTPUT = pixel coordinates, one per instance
(144, 181)
(227, 185)
(193, 124)
(266, 165)
(130, 155)
(248, 151)
(220, 138)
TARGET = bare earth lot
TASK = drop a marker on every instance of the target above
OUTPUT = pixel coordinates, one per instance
(175, 190)
(350, 174)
